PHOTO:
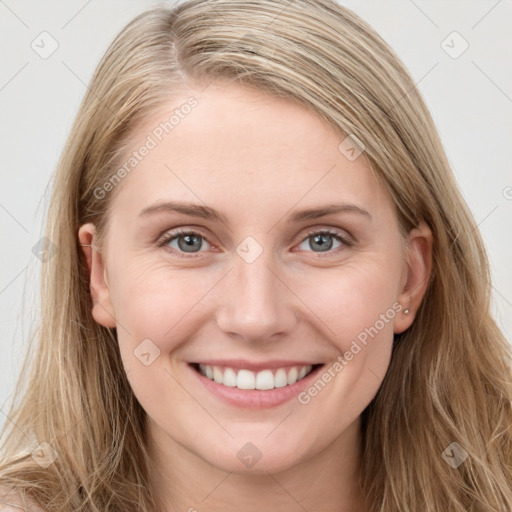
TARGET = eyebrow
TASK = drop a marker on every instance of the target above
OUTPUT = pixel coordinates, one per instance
(192, 209)
(205, 212)
(315, 213)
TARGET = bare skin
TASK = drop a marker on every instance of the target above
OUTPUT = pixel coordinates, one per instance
(257, 160)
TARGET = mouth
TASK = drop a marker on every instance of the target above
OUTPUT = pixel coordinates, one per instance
(262, 380)
(262, 387)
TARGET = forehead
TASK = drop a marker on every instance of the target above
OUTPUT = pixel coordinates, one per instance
(244, 147)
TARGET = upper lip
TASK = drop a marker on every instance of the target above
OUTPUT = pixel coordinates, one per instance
(240, 364)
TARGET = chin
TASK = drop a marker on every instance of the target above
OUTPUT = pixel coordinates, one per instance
(257, 457)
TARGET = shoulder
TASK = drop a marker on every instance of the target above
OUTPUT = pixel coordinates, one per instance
(11, 500)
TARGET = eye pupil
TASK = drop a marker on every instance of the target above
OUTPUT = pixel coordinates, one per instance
(321, 243)
(191, 242)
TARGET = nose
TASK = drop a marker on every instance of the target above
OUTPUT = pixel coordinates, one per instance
(256, 305)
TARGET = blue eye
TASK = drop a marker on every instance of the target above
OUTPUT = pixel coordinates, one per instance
(325, 240)
(187, 242)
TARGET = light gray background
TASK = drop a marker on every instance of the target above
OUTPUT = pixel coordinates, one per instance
(470, 98)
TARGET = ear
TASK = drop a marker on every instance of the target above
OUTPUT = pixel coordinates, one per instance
(416, 275)
(102, 310)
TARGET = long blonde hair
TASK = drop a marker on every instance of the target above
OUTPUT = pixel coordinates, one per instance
(449, 379)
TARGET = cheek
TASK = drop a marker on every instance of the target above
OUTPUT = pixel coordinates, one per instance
(356, 307)
(353, 299)
(155, 312)
(155, 302)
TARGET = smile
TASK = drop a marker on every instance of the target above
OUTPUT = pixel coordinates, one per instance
(254, 385)
(262, 380)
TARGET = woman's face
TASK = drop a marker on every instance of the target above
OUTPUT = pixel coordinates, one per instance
(246, 240)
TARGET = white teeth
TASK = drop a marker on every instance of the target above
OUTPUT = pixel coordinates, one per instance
(246, 379)
(265, 380)
(293, 375)
(207, 370)
(218, 375)
(230, 378)
(280, 378)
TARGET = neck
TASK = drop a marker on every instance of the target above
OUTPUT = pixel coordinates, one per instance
(328, 480)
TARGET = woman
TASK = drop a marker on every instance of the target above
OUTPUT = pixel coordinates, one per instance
(268, 292)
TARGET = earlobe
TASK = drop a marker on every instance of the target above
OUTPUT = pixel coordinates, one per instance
(419, 269)
(102, 310)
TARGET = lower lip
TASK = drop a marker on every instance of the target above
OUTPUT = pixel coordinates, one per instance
(255, 398)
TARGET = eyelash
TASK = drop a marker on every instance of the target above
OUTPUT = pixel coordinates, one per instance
(169, 237)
